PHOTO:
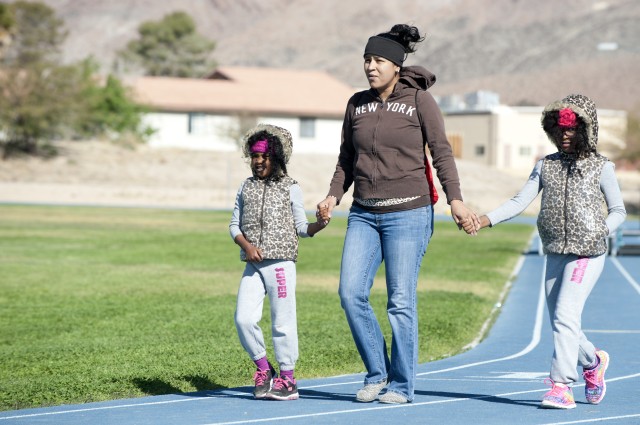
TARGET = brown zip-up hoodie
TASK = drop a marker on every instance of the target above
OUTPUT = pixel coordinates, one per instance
(382, 149)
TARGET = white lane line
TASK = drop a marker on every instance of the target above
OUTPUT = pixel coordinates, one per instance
(584, 421)
(535, 340)
(535, 337)
(505, 290)
(90, 409)
(626, 275)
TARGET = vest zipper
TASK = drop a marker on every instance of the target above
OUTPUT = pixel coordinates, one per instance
(566, 194)
(264, 196)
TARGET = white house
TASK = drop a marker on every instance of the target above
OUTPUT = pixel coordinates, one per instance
(213, 113)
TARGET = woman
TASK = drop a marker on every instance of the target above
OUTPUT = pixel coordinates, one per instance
(382, 154)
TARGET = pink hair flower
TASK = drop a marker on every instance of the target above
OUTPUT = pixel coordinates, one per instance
(567, 118)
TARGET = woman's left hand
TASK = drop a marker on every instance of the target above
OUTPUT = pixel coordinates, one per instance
(464, 217)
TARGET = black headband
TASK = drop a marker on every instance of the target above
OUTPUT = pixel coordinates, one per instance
(385, 47)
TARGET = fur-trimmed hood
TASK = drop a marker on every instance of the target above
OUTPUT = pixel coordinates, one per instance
(280, 133)
(584, 108)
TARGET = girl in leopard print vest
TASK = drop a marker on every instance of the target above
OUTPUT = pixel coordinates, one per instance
(576, 182)
(267, 220)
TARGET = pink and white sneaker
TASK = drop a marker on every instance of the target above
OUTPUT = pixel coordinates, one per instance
(595, 386)
(560, 396)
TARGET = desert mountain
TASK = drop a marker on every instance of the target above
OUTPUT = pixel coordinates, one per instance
(529, 52)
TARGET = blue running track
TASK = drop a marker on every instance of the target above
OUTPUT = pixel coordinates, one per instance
(500, 381)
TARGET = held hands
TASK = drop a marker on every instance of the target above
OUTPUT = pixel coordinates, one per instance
(465, 218)
(469, 226)
(325, 208)
(323, 217)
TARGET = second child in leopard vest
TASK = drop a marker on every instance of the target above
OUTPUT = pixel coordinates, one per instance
(576, 183)
(267, 220)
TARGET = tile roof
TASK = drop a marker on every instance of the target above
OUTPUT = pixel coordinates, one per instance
(248, 90)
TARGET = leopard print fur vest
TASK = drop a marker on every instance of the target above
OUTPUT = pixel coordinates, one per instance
(267, 220)
(572, 219)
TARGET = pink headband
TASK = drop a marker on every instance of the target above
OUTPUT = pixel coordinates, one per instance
(567, 118)
(261, 146)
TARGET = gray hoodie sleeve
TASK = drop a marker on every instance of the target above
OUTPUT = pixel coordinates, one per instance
(613, 197)
(608, 185)
(521, 200)
(234, 225)
(299, 214)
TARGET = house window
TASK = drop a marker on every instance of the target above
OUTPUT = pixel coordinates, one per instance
(479, 150)
(525, 151)
(197, 123)
(308, 127)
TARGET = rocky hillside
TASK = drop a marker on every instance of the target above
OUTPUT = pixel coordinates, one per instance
(527, 51)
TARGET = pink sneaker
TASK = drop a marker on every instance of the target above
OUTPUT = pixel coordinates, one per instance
(283, 389)
(595, 387)
(262, 380)
(560, 396)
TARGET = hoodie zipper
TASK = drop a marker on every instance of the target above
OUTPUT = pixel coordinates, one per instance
(374, 150)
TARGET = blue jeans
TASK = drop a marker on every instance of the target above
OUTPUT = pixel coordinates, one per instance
(399, 239)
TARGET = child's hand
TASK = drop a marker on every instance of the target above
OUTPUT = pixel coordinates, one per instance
(254, 254)
(469, 226)
(322, 215)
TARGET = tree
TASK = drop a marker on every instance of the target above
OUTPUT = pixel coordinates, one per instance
(37, 34)
(170, 47)
(30, 81)
(7, 24)
(42, 100)
(108, 108)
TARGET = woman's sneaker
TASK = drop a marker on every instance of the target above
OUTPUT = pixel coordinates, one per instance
(393, 398)
(262, 379)
(560, 397)
(283, 389)
(370, 392)
(595, 387)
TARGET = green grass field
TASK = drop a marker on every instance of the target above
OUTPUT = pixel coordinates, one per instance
(106, 303)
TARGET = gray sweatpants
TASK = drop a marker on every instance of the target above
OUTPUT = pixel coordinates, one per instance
(568, 282)
(277, 279)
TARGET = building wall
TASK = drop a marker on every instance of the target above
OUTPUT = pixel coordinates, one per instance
(520, 140)
(221, 132)
(472, 134)
(512, 138)
(190, 131)
(508, 138)
(325, 139)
